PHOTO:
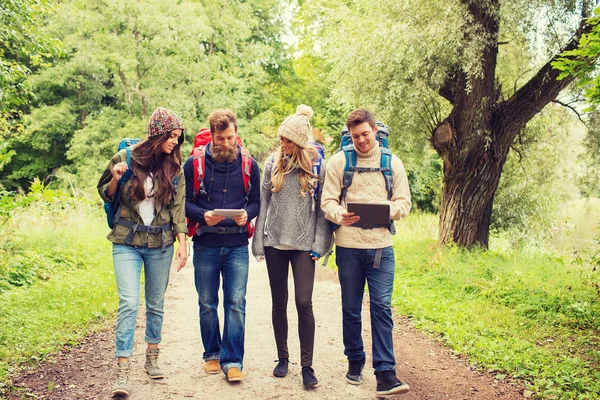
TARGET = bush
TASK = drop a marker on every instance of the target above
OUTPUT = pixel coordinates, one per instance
(56, 278)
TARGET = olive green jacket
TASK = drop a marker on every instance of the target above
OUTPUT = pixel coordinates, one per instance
(173, 212)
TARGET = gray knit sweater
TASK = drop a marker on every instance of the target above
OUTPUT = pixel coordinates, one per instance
(288, 219)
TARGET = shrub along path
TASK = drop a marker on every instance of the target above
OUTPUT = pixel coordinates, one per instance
(86, 371)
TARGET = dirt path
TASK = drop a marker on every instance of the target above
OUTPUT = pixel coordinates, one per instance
(86, 371)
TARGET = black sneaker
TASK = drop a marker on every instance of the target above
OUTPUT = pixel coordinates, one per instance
(281, 369)
(354, 374)
(308, 378)
(387, 383)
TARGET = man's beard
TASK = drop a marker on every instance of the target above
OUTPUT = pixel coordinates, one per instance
(223, 154)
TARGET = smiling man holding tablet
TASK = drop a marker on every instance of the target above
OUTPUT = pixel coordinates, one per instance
(363, 210)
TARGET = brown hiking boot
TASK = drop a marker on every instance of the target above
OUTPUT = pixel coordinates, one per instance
(121, 385)
(234, 374)
(212, 366)
(151, 365)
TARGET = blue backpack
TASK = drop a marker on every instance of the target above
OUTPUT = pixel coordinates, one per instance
(111, 209)
(385, 166)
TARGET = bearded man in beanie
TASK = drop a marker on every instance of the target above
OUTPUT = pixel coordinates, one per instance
(364, 254)
(221, 245)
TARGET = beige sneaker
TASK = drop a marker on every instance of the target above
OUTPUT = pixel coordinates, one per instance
(121, 386)
(235, 375)
(212, 366)
(151, 365)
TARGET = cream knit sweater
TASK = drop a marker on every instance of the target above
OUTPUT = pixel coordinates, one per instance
(366, 187)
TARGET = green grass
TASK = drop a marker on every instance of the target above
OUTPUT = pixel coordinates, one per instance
(524, 314)
(56, 281)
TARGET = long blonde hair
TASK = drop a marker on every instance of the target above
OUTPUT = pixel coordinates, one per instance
(299, 159)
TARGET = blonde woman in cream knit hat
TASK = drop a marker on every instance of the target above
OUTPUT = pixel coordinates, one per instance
(291, 229)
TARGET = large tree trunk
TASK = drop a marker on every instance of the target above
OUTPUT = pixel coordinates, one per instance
(467, 200)
(474, 140)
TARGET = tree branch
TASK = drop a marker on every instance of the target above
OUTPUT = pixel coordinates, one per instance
(126, 89)
(572, 109)
(534, 95)
(519, 77)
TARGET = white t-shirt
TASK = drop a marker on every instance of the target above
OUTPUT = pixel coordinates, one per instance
(147, 205)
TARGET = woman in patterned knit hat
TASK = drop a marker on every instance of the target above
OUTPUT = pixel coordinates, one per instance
(291, 229)
(151, 215)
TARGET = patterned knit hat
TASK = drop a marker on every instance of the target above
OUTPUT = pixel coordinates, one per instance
(297, 127)
(163, 121)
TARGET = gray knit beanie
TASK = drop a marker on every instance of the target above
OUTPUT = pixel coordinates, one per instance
(297, 127)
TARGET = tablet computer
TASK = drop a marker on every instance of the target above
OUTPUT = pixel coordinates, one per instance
(228, 213)
(371, 213)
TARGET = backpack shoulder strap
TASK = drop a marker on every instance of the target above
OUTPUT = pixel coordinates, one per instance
(128, 172)
(349, 169)
(121, 184)
(386, 170)
(198, 160)
(316, 170)
(246, 169)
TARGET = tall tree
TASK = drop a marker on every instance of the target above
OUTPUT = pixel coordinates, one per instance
(24, 46)
(435, 64)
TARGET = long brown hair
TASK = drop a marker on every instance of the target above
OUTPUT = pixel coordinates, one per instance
(147, 157)
(300, 158)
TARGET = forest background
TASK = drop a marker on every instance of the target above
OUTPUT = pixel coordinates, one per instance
(78, 76)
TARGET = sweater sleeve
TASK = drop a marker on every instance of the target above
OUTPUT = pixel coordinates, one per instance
(323, 233)
(332, 189)
(401, 203)
(258, 248)
(192, 211)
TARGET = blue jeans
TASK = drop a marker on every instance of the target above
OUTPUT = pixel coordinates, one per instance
(354, 267)
(128, 268)
(209, 264)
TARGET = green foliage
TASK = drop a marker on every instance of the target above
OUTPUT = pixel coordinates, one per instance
(40, 145)
(590, 260)
(24, 46)
(56, 279)
(589, 180)
(27, 265)
(373, 60)
(425, 182)
(124, 60)
(524, 314)
(581, 62)
(93, 145)
(301, 82)
(539, 175)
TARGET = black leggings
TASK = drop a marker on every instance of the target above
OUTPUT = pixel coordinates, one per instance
(303, 268)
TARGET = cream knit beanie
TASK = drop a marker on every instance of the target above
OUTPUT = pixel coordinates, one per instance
(297, 127)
